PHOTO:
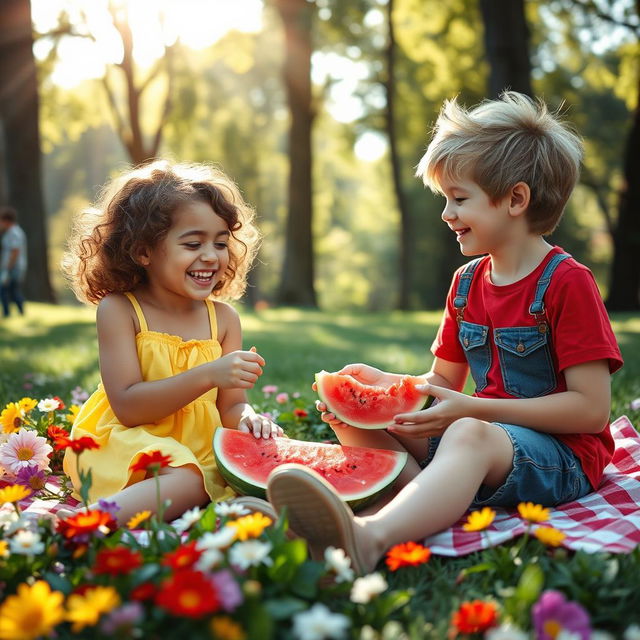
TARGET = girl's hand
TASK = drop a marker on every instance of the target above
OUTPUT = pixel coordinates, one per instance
(260, 426)
(369, 375)
(329, 417)
(447, 407)
(237, 370)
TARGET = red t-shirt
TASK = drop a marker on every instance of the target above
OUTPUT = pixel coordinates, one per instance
(579, 327)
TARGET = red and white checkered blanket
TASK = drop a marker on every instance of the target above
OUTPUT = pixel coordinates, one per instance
(606, 520)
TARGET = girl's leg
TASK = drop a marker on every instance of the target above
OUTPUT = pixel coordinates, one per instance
(181, 485)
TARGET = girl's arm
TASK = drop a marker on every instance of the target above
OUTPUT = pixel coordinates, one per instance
(135, 401)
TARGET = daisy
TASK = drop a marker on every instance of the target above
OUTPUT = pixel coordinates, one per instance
(220, 539)
(250, 554)
(231, 510)
(25, 449)
(27, 543)
(12, 417)
(32, 477)
(48, 404)
(367, 587)
(210, 559)
(340, 563)
(319, 623)
(187, 520)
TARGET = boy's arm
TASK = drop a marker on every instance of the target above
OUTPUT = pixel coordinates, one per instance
(583, 408)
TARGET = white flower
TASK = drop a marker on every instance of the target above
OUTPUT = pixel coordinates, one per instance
(48, 404)
(319, 623)
(632, 632)
(209, 559)
(187, 520)
(25, 448)
(506, 632)
(27, 543)
(250, 554)
(216, 540)
(367, 587)
(229, 509)
(340, 563)
(10, 521)
(634, 405)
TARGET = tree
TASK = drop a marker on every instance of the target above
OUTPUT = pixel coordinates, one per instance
(296, 284)
(506, 37)
(19, 111)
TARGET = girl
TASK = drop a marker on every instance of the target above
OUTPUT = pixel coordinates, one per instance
(165, 240)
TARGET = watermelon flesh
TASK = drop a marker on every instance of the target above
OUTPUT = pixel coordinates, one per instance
(359, 474)
(368, 406)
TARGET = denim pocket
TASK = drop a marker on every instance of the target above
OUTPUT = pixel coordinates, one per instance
(473, 338)
(525, 361)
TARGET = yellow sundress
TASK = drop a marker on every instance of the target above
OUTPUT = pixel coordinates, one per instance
(186, 435)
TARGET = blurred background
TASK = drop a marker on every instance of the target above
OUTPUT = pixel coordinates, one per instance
(320, 110)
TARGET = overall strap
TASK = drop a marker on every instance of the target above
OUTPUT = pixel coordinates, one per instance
(138, 309)
(211, 307)
(537, 306)
(464, 284)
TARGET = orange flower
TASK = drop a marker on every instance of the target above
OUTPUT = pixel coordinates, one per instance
(300, 413)
(475, 616)
(188, 593)
(408, 554)
(55, 432)
(117, 561)
(138, 518)
(533, 512)
(153, 462)
(549, 536)
(183, 557)
(478, 520)
(77, 445)
(86, 522)
(144, 591)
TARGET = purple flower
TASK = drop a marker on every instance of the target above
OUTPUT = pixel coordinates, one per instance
(228, 589)
(121, 620)
(32, 477)
(553, 614)
(79, 396)
(109, 507)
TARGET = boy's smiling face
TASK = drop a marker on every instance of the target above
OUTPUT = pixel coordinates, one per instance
(480, 225)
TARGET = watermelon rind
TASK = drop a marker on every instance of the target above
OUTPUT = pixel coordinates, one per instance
(231, 468)
(322, 376)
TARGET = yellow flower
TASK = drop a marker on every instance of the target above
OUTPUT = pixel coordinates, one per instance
(85, 609)
(140, 517)
(4, 548)
(13, 493)
(27, 404)
(549, 536)
(73, 413)
(12, 417)
(479, 520)
(224, 628)
(31, 613)
(533, 512)
(250, 526)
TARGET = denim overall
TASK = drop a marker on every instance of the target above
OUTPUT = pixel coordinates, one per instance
(545, 470)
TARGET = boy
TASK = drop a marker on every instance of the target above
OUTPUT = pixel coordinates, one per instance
(526, 320)
(13, 260)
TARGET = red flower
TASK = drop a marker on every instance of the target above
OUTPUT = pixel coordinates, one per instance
(475, 616)
(153, 462)
(300, 413)
(56, 432)
(60, 403)
(188, 593)
(86, 522)
(408, 554)
(144, 591)
(77, 445)
(117, 561)
(183, 557)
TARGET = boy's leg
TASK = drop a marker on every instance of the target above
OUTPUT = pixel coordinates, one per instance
(471, 452)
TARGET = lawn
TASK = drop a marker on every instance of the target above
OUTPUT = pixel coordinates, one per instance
(52, 351)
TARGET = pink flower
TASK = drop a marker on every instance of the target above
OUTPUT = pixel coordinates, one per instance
(268, 389)
(25, 449)
(553, 613)
(32, 477)
(634, 405)
(281, 398)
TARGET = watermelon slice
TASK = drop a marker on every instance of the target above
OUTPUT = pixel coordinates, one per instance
(367, 406)
(359, 474)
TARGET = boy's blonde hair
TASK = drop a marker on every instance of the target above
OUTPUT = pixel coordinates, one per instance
(502, 142)
(135, 212)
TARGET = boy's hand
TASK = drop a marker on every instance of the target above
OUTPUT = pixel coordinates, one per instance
(369, 375)
(447, 407)
(260, 426)
(237, 370)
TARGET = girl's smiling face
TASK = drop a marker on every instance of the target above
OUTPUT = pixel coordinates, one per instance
(193, 257)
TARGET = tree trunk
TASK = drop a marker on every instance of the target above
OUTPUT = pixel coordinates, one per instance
(405, 258)
(506, 37)
(296, 284)
(624, 281)
(19, 112)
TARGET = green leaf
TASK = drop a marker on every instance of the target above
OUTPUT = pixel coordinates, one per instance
(530, 584)
(283, 608)
(305, 581)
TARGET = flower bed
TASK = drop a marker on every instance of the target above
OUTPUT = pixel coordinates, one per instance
(227, 574)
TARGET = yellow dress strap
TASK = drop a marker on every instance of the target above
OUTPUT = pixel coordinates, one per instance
(138, 309)
(212, 318)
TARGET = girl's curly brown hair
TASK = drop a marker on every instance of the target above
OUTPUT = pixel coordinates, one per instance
(134, 213)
